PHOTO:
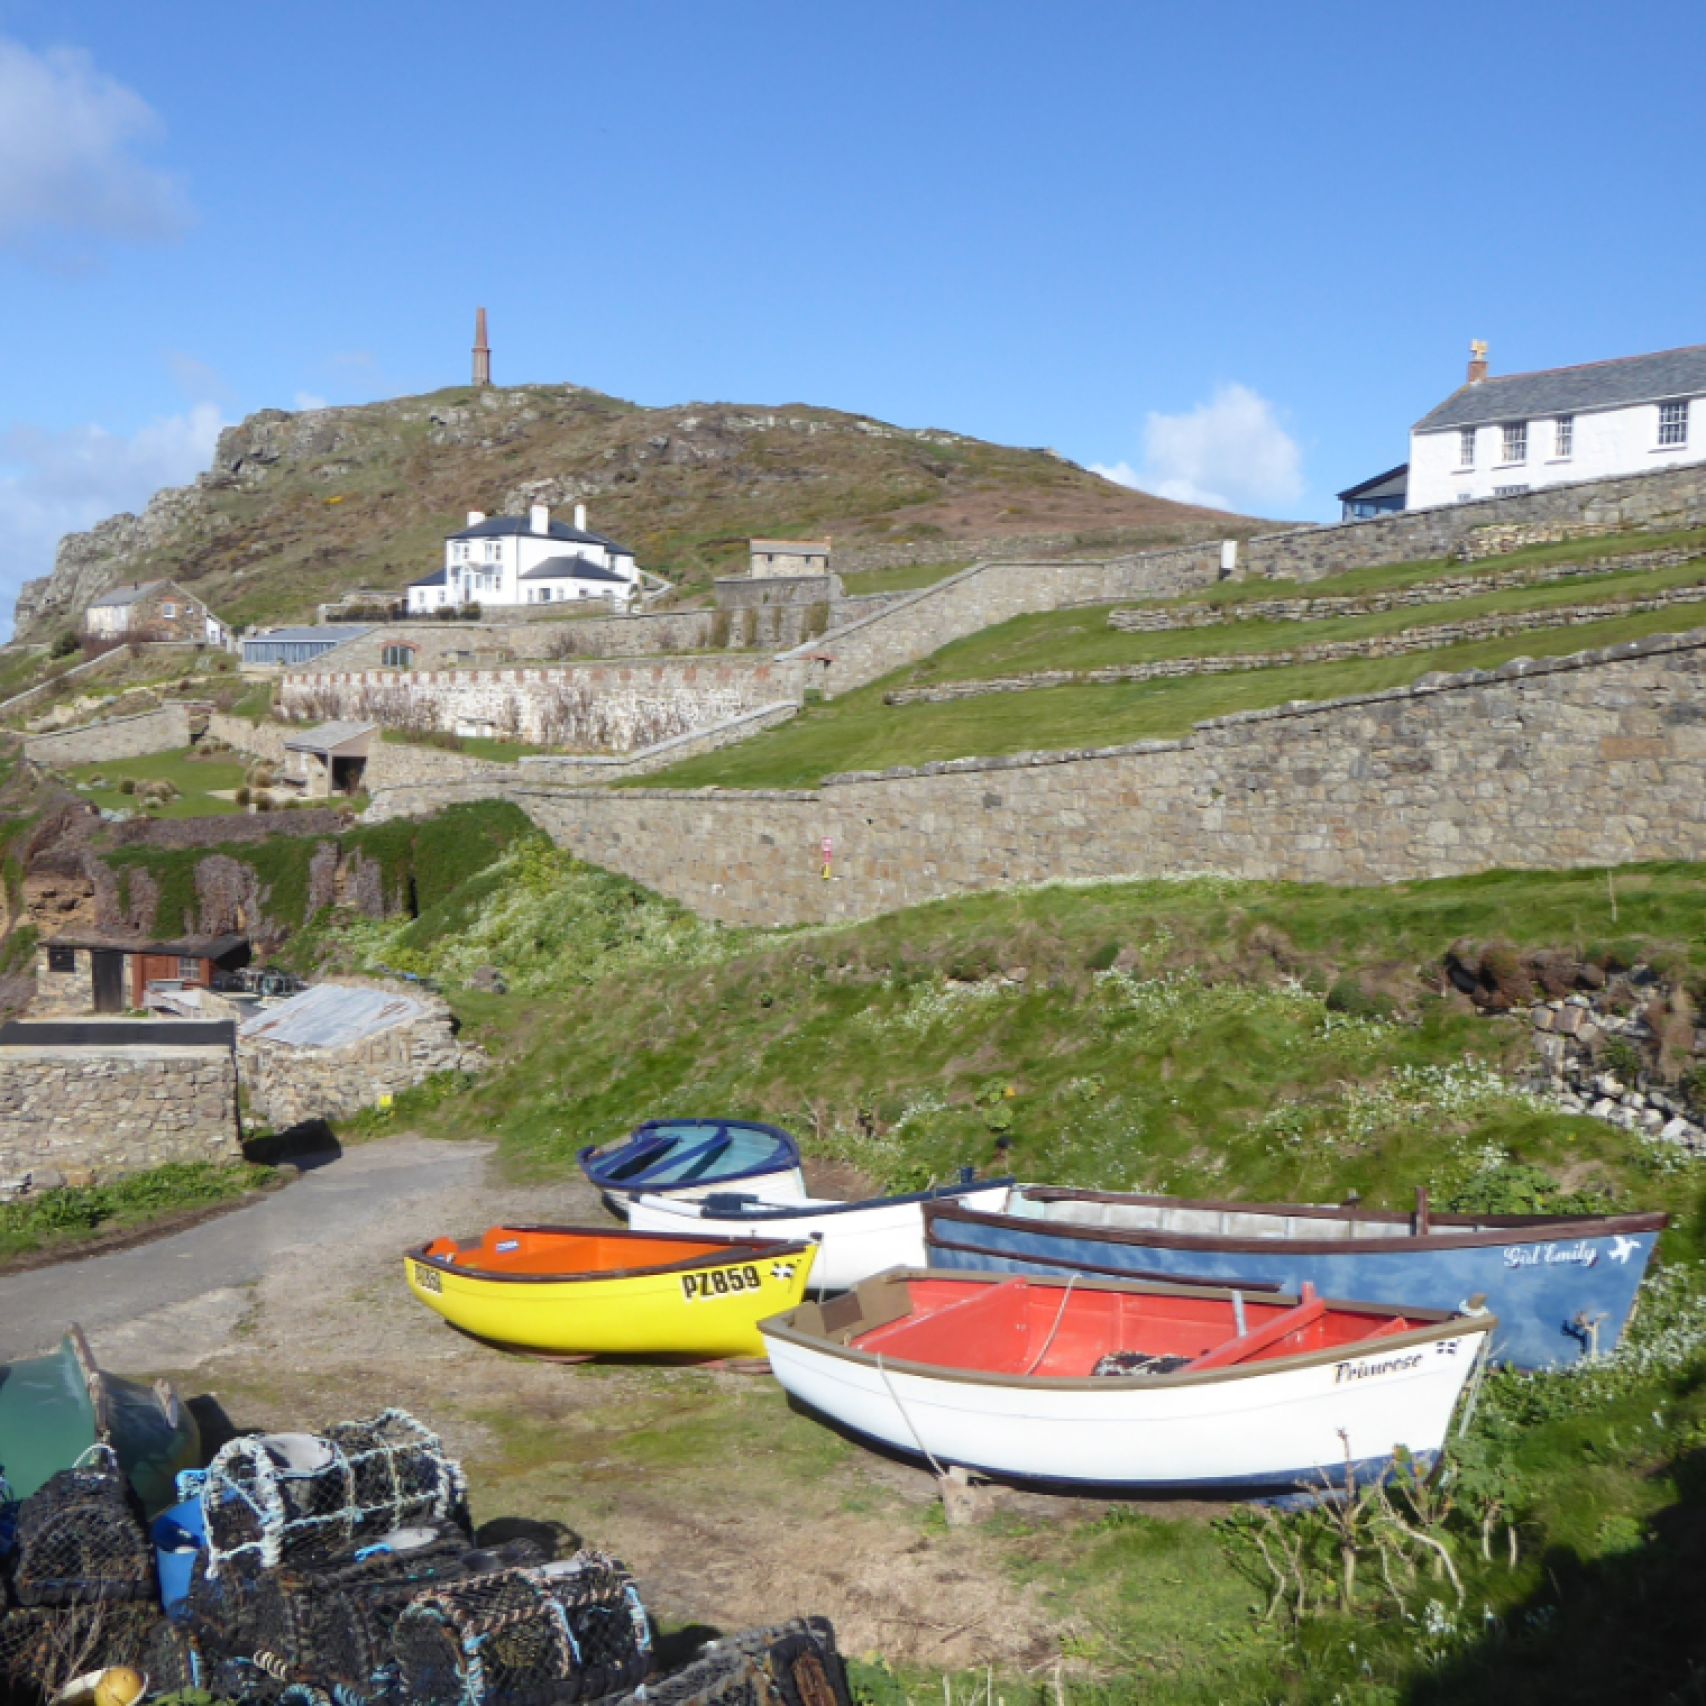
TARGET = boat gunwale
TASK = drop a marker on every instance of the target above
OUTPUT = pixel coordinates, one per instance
(594, 1157)
(740, 1249)
(1460, 1232)
(1437, 1324)
(763, 1211)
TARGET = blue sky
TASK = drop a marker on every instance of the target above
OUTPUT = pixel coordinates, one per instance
(1223, 250)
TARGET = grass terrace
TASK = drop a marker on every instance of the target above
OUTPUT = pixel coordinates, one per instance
(199, 780)
(860, 732)
(910, 577)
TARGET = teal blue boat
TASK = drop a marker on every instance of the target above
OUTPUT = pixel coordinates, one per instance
(696, 1158)
(54, 1407)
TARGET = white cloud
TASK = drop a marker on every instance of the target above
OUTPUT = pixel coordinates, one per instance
(1228, 453)
(54, 483)
(304, 400)
(67, 167)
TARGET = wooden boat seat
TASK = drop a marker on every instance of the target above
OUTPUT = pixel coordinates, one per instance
(1262, 1338)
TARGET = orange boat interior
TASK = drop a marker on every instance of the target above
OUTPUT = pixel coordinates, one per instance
(1019, 1327)
(513, 1250)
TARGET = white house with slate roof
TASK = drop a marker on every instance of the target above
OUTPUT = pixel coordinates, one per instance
(526, 559)
(1496, 437)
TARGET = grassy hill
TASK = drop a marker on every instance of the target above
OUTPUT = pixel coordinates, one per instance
(300, 508)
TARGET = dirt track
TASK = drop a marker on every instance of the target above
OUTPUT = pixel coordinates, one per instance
(730, 1508)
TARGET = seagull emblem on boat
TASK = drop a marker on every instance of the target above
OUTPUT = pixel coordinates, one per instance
(1623, 1248)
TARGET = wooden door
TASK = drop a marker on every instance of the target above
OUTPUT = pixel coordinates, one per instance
(108, 980)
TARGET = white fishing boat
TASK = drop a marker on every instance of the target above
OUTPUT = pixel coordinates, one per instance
(856, 1239)
(1125, 1385)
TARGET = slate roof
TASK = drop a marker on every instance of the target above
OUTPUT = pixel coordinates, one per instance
(572, 569)
(121, 595)
(436, 578)
(332, 1015)
(506, 526)
(1394, 483)
(1566, 390)
(186, 947)
(328, 737)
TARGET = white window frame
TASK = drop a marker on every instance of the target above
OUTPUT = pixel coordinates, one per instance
(1673, 425)
(1564, 437)
(1515, 443)
(169, 611)
(189, 968)
(1466, 447)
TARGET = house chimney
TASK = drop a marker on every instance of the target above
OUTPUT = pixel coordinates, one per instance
(475, 517)
(580, 518)
(1477, 360)
(482, 350)
(539, 518)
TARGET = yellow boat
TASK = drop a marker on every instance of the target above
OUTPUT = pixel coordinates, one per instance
(592, 1291)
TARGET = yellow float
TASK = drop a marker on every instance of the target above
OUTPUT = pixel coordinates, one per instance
(579, 1291)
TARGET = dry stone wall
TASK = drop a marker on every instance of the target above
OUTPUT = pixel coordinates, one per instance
(71, 1111)
(1665, 498)
(164, 730)
(1597, 758)
(1156, 619)
(1408, 640)
(923, 622)
(608, 707)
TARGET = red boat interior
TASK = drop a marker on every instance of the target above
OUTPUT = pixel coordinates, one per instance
(1019, 1327)
(517, 1250)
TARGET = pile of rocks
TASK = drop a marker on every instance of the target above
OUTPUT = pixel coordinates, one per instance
(1572, 1072)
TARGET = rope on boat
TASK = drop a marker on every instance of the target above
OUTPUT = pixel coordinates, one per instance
(1059, 1316)
(917, 1438)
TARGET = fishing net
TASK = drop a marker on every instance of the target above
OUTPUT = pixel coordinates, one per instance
(43, 1647)
(1137, 1362)
(790, 1664)
(267, 1497)
(171, 1660)
(568, 1631)
(80, 1538)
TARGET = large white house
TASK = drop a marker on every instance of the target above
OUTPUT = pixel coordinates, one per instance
(1497, 437)
(526, 559)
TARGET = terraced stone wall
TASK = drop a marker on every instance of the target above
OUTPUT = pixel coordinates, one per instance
(1597, 758)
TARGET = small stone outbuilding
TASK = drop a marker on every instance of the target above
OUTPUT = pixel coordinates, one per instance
(78, 975)
(87, 1101)
(331, 759)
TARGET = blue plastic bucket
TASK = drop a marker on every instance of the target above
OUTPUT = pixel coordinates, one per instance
(178, 1534)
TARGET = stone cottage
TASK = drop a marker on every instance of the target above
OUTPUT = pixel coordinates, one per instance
(153, 611)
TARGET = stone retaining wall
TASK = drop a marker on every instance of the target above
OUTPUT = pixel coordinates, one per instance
(1665, 498)
(1500, 538)
(1447, 590)
(1594, 759)
(419, 795)
(164, 730)
(258, 739)
(610, 707)
(398, 763)
(290, 1086)
(922, 622)
(106, 1111)
(1330, 651)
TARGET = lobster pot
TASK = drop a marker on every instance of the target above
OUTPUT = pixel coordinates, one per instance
(44, 1647)
(790, 1664)
(171, 1659)
(573, 1630)
(269, 1497)
(80, 1538)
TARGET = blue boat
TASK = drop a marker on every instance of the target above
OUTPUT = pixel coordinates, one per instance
(1562, 1288)
(694, 1158)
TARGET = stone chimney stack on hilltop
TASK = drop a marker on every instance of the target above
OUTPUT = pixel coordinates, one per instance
(482, 350)
(1477, 360)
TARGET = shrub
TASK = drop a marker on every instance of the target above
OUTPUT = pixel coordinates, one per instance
(127, 785)
(263, 802)
(1349, 996)
(243, 795)
(1103, 957)
(1621, 1058)
(63, 644)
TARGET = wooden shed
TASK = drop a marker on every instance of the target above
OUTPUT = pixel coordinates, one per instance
(111, 974)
